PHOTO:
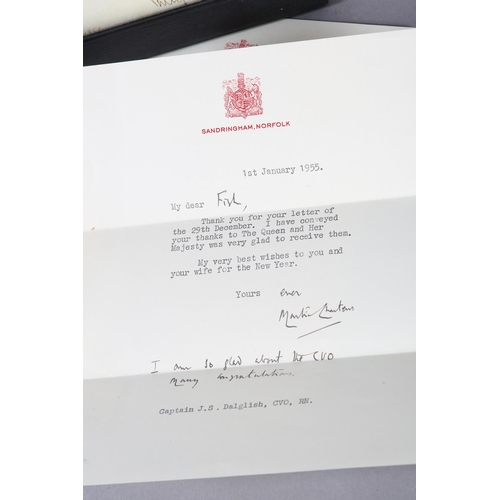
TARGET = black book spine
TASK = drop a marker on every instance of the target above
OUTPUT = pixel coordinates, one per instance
(185, 26)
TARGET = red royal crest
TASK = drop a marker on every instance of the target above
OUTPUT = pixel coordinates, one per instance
(239, 45)
(243, 97)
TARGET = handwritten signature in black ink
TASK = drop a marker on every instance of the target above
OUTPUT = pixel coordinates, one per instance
(324, 312)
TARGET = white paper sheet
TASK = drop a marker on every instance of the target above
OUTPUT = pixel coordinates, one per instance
(346, 295)
(99, 15)
(283, 31)
(262, 254)
(346, 104)
(357, 412)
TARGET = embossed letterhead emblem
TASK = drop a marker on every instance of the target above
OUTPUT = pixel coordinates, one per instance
(243, 97)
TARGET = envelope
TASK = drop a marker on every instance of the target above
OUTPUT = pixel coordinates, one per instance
(249, 261)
